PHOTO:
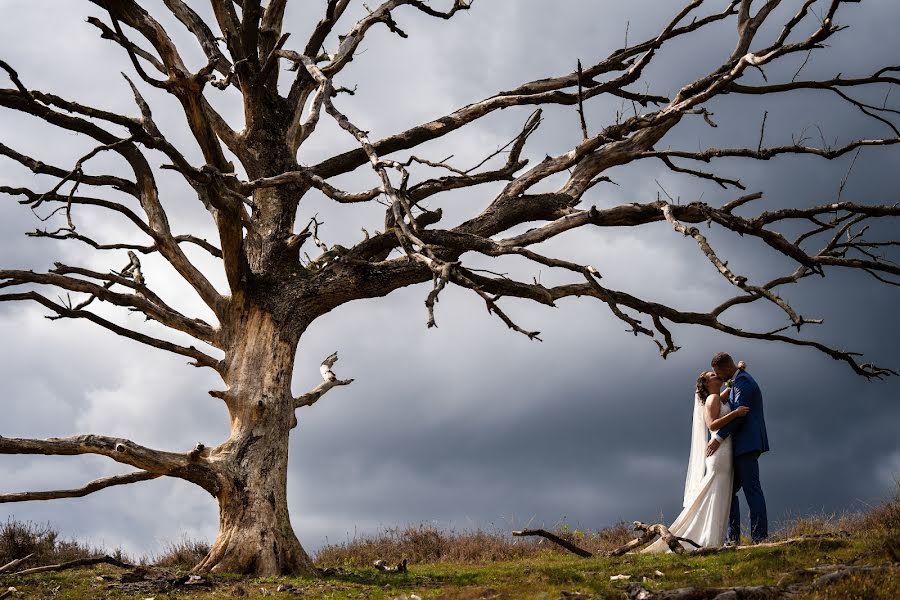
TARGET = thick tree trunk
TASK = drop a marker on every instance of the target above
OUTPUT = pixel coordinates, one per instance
(255, 533)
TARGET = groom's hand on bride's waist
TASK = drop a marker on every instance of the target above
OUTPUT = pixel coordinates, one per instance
(712, 446)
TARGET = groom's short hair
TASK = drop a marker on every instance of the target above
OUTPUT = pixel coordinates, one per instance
(722, 359)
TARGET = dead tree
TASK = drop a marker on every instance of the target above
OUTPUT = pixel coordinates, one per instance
(274, 293)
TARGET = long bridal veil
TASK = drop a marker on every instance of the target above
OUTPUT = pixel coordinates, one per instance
(697, 459)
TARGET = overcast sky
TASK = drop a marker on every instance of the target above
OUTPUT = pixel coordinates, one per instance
(469, 424)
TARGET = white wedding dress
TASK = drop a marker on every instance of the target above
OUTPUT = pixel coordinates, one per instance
(707, 492)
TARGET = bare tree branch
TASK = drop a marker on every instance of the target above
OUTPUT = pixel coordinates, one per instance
(542, 91)
(148, 193)
(200, 359)
(140, 301)
(329, 380)
(89, 488)
(120, 450)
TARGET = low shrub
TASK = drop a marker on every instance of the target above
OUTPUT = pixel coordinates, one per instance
(21, 538)
(429, 544)
(184, 553)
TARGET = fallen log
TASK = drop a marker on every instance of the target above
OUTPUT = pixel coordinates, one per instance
(845, 571)
(674, 542)
(759, 592)
(74, 564)
(555, 539)
(797, 540)
(14, 563)
(650, 532)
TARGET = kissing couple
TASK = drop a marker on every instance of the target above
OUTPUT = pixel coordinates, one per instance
(727, 463)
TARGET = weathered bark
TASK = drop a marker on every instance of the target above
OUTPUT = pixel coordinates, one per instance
(255, 533)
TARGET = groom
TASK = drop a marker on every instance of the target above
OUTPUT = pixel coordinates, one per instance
(749, 441)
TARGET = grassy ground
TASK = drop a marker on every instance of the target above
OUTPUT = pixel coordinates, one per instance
(470, 565)
(551, 575)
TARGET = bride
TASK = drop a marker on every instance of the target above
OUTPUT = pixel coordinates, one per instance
(707, 489)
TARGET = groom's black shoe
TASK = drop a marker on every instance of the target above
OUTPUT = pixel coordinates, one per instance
(731, 544)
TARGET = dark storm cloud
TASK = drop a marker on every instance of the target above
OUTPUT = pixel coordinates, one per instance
(470, 424)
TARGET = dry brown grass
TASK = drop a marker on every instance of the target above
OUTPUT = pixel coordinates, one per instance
(818, 524)
(882, 520)
(428, 544)
(21, 538)
(183, 554)
(423, 544)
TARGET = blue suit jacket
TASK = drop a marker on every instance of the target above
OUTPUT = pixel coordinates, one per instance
(750, 431)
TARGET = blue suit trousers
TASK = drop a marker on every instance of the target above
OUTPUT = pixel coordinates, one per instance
(746, 477)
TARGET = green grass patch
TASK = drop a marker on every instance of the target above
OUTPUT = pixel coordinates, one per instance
(545, 577)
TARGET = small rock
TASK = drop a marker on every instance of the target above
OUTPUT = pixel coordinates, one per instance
(659, 573)
(636, 592)
(619, 577)
(196, 580)
(285, 587)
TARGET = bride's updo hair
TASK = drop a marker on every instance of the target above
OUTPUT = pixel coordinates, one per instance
(701, 390)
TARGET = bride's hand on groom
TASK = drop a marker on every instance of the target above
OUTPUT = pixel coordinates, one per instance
(714, 444)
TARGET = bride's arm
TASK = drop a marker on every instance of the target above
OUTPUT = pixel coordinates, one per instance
(713, 407)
